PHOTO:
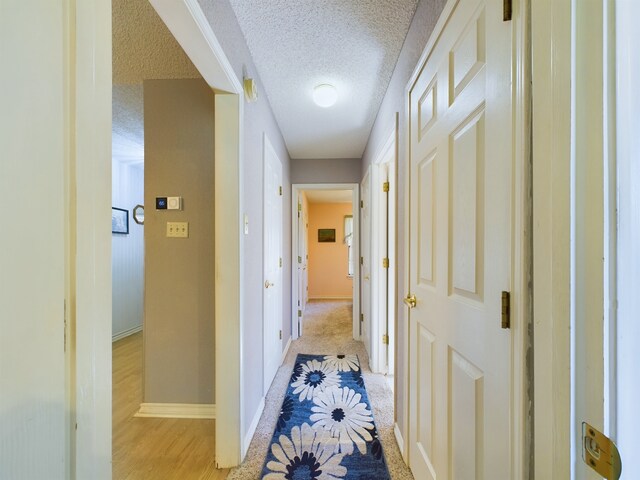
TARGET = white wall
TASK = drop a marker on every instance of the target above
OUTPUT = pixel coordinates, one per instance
(127, 262)
(326, 170)
(628, 281)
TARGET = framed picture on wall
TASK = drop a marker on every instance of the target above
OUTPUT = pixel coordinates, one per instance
(119, 220)
(327, 235)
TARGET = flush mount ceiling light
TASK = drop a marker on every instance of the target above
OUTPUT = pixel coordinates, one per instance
(325, 95)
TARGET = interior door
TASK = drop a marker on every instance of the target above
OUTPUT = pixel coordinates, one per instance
(365, 261)
(460, 249)
(272, 300)
(302, 260)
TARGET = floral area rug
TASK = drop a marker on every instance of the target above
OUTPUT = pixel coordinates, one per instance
(325, 430)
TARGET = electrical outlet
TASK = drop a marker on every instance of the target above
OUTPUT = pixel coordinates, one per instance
(178, 229)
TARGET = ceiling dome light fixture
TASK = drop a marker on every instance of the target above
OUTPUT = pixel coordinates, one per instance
(325, 95)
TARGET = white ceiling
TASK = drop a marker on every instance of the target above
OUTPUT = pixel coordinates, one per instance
(298, 44)
(329, 196)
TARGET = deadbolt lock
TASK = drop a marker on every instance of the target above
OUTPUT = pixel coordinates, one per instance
(600, 453)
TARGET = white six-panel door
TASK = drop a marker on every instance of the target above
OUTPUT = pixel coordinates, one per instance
(272, 263)
(460, 249)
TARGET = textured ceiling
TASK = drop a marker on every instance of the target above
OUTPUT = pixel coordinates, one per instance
(329, 196)
(298, 44)
(127, 137)
(143, 47)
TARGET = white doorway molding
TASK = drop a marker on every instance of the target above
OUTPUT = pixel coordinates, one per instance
(189, 26)
(383, 245)
(296, 188)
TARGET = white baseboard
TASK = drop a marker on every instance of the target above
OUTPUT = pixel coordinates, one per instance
(400, 441)
(177, 410)
(126, 333)
(315, 297)
(285, 351)
(252, 428)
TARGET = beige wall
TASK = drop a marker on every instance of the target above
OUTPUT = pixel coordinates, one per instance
(179, 272)
(328, 261)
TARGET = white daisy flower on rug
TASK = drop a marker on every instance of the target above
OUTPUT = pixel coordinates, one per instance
(308, 454)
(315, 377)
(340, 411)
(343, 363)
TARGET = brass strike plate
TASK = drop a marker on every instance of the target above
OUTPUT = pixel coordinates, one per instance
(600, 453)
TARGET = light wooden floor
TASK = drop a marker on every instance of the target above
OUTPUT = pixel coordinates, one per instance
(154, 448)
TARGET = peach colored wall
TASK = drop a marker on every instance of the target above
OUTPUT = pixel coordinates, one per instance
(328, 261)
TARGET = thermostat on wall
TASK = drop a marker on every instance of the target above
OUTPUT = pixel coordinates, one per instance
(161, 203)
(168, 203)
(174, 203)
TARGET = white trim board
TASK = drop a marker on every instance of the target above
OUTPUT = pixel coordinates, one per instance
(285, 351)
(400, 441)
(176, 410)
(126, 333)
(253, 427)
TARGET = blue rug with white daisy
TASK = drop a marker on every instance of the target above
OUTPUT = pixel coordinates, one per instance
(325, 430)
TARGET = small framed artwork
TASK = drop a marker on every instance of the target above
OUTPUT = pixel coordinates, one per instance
(327, 235)
(119, 220)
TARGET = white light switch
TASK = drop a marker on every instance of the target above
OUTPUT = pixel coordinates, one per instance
(178, 229)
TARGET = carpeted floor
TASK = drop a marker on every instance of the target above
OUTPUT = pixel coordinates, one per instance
(327, 330)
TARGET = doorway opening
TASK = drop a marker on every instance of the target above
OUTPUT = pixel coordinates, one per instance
(325, 249)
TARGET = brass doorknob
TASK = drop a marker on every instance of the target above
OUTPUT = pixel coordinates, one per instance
(410, 301)
(267, 284)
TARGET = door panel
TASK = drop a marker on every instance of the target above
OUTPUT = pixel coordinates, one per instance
(272, 263)
(460, 211)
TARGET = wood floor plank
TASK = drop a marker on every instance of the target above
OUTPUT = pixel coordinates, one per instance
(154, 448)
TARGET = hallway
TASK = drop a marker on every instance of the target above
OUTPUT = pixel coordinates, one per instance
(327, 329)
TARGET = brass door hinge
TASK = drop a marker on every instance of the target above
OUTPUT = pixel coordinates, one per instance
(385, 339)
(362, 317)
(280, 334)
(299, 207)
(361, 260)
(507, 10)
(280, 190)
(385, 263)
(299, 259)
(361, 203)
(299, 313)
(506, 310)
(385, 187)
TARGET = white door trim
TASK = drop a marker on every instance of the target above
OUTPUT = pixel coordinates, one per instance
(296, 188)
(521, 293)
(188, 24)
(379, 295)
(551, 26)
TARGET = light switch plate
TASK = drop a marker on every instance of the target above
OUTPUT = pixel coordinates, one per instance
(178, 229)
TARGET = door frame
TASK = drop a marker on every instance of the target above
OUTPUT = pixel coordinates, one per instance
(378, 288)
(88, 180)
(522, 262)
(296, 188)
(268, 147)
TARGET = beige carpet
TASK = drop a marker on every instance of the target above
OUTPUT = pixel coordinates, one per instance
(327, 330)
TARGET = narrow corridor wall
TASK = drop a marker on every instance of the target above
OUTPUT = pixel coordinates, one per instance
(179, 319)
